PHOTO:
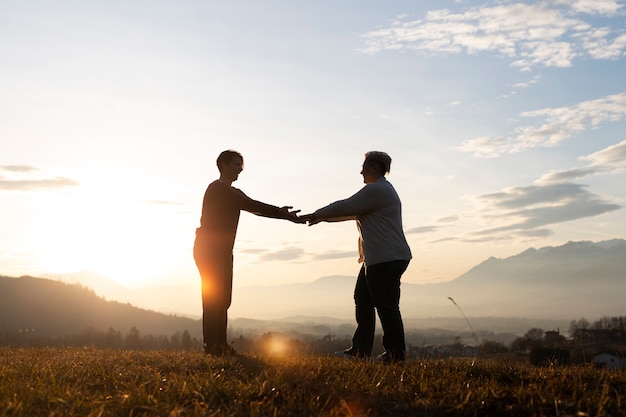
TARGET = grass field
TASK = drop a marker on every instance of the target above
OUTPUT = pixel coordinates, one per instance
(91, 382)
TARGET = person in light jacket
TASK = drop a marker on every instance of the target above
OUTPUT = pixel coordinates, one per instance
(384, 254)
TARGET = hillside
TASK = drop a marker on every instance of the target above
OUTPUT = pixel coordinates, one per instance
(53, 308)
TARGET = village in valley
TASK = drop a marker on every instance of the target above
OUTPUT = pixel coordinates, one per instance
(602, 343)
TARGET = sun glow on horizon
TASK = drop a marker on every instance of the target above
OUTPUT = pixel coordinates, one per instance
(123, 240)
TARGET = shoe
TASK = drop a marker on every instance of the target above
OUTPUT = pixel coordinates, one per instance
(350, 354)
(388, 358)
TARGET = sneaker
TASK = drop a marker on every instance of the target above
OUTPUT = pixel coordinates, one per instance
(388, 358)
(350, 354)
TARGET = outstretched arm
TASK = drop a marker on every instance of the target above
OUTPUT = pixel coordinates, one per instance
(265, 210)
(364, 201)
(313, 219)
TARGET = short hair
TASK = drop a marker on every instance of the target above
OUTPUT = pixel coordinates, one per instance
(382, 159)
(226, 157)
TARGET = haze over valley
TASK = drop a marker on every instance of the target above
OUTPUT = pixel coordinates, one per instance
(577, 279)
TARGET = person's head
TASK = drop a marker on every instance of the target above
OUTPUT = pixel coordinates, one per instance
(375, 165)
(230, 164)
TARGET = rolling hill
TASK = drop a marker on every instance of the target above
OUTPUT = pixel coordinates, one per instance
(50, 308)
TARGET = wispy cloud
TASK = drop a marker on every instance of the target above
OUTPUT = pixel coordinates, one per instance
(526, 84)
(522, 210)
(612, 158)
(422, 229)
(599, 7)
(335, 254)
(608, 160)
(546, 33)
(289, 253)
(17, 168)
(555, 125)
(28, 178)
(526, 211)
(448, 219)
(298, 254)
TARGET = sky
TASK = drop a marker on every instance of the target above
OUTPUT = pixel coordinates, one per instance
(505, 120)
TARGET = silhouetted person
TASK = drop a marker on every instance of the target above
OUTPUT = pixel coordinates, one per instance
(384, 253)
(213, 246)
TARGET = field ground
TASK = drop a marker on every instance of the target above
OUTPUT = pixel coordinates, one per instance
(95, 383)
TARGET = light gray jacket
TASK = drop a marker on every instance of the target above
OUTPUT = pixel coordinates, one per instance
(378, 213)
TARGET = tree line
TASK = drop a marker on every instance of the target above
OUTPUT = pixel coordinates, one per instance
(110, 339)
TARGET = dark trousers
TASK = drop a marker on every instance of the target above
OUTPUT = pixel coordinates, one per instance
(216, 271)
(378, 290)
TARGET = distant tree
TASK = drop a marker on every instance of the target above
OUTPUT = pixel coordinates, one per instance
(175, 340)
(113, 339)
(534, 335)
(582, 324)
(133, 339)
(491, 347)
(613, 323)
(164, 342)
(148, 342)
(533, 338)
(185, 340)
(520, 344)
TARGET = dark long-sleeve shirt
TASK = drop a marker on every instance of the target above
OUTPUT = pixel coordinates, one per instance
(221, 207)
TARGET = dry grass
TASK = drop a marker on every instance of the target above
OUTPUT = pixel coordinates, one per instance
(92, 382)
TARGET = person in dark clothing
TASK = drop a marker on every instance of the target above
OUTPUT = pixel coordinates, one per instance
(213, 246)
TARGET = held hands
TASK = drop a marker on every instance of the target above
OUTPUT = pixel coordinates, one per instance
(310, 218)
(292, 216)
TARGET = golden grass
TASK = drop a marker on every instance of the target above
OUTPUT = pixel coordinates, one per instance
(92, 382)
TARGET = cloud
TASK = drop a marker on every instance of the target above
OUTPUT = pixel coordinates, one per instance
(600, 7)
(566, 175)
(422, 229)
(608, 160)
(526, 84)
(17, 168)
(547, 34)
(283, 254)
(448, 219)
(28, 178)
(553, 198)
(555, 125)
(333, 254)
(612, 158)
(535, 233)
(524, 209)
(524, 212)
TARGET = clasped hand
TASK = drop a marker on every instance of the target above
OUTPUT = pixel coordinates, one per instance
(292, 215)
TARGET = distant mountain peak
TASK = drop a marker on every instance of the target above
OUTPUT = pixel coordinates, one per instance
(573, 259)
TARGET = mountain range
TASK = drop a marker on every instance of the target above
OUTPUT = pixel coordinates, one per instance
(577, 279)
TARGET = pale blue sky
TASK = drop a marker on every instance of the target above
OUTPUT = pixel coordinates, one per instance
(505, 121)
